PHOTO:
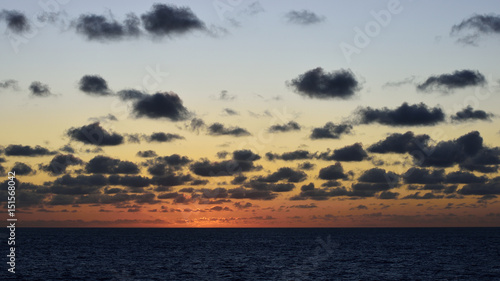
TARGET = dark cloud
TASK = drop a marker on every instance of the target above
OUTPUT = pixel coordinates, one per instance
(492, 187)
(94, 85)
(457, 80)
(222, 154)
(368, 189)
(306, 166)
(163, 137)
(6, 84)
(242, 162)
(464, 177)
(290, 156)
(16, 21)
(106, 165)
(130, 94)
(448, 153)
(243, 205)
(129, 181)
(377, 175)
(60, 162)
(206, 168)
(330, 131)
(94, 134)
(165, 164)
(196, 125)
(230, 111)
(38, 89)
(290, 126)
(388, 195)
(239, 179)
(169, 180)
(161, 105)
(166, 20)
(243, 193)
(22, 169)
(303, 17)
(101, 28)
(309, 191)
(245, 155)
(400, 143)
(284, 173)
(478, 25)
(82, 180)
(218, 129)
(405, 115)
(486, 160)
(274, 187)
(469, 114)
(316, 83)
(353, 152)
(426, 196)
(26, 150)
(423, 176)
(332, 172)
(146, 153)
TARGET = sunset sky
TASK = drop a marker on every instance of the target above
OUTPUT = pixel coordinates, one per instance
(248, 113)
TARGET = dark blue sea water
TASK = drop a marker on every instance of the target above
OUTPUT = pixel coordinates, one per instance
(256, 254)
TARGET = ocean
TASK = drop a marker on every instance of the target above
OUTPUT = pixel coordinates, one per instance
(255, 254)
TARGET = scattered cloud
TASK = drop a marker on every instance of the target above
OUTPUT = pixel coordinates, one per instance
(107, 165)
(218, 129)
(303, 17)
(161, 105)
(469, 114)
(478, 25)
(330, 131)
(16, 21)
(456, 80)
(316, 83)
(405, 115)
(101, 28)
(353, 152)
(9, 84)
(94, 134)
(94, 85)
(38, 89)
(290, 126)
(166, 20)
(26, 150)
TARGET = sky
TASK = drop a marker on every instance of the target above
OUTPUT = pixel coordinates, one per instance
(243, 113)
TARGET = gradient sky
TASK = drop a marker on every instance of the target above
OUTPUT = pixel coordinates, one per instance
(252, 65)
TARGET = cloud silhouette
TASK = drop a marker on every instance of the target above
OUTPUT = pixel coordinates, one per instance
(38, 89)
(218, 129)
(16, 21)
(101, 28)
(469, 114)
(330, 131)
(161, 105)
(303, 17)
(290, 126)
(405, 115)
(456, 80)
(94, 85)
(26, 150)
(166, 20)
(107, 165)
(478, 25)
(94, 134)
(316, 83)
